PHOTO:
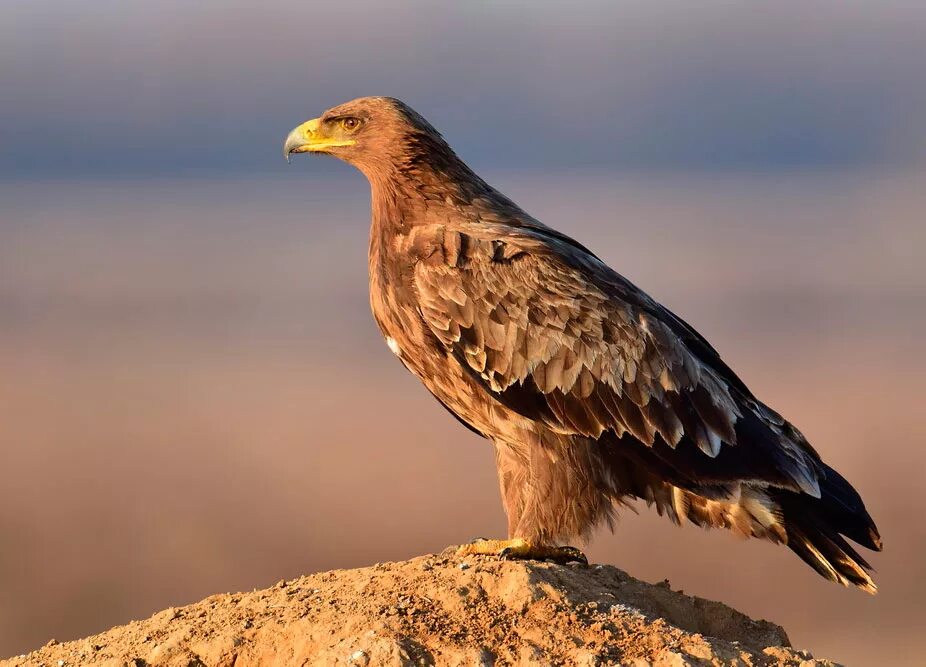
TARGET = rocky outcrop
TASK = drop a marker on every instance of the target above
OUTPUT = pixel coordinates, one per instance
(441, 610)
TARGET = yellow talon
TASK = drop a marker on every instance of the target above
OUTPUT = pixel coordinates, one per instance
(521, 549)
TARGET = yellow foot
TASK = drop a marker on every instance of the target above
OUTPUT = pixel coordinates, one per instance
(521, 549)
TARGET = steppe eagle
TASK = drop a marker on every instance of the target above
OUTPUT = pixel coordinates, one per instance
(592, 393)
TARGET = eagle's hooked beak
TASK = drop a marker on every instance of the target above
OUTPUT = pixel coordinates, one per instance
(310, 138)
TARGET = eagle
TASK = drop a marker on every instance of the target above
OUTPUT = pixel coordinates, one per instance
(593, 394)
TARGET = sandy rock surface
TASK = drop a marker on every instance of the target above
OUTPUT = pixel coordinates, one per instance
(441, 610)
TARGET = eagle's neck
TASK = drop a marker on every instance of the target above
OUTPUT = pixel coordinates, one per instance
(428, 181)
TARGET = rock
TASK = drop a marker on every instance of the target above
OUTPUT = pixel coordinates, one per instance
(359, 658)
(489, 612)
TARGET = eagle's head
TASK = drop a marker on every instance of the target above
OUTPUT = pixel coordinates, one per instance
(371, 133)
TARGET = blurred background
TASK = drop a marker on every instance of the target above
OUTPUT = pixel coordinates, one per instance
(195, 399)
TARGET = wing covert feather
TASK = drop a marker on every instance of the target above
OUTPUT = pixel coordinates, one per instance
(558, 337)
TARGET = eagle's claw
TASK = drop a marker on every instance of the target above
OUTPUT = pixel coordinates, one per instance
(521, 549)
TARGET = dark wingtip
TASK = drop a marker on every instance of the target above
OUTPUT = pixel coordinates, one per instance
(831, 557)
(842, 508)
(817, 531)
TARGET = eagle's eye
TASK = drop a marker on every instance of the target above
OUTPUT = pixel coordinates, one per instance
(350, 123)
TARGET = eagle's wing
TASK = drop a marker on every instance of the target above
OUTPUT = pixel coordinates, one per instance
(557, 336)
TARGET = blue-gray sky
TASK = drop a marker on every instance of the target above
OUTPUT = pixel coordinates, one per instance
(106, 87)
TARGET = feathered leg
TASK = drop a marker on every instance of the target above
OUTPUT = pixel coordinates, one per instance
(553, 488)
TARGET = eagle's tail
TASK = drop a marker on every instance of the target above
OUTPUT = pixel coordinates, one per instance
(816, 528)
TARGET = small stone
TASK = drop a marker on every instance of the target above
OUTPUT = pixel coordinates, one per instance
(463, 566)
(359, 658)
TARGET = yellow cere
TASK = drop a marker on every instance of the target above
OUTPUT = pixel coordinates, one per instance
(306, 138)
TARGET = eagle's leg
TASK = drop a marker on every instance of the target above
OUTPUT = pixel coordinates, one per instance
(520, 549)
(554, 488)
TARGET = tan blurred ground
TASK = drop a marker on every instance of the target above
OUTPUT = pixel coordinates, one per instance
(188, 369)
